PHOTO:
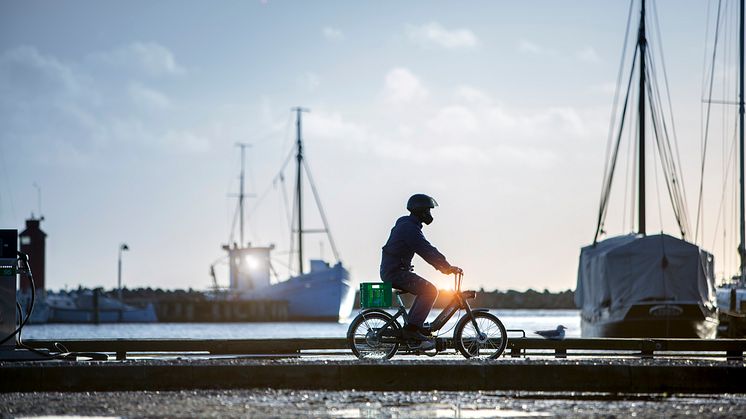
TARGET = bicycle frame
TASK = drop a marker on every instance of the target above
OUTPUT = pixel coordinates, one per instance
(458, 301)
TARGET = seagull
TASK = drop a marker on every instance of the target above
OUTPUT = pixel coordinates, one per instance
(556, 334)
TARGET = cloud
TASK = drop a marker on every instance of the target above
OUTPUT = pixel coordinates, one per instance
(401, 86)
(73, 113)
(529, 47)
(28, 75)
(149, 58)
(466, 127)
(309, 81)
(433, 34)
(332, 34)
(144, 97)
(588, 54)
(185, 140)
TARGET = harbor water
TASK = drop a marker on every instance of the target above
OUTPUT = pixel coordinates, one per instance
(526, 320)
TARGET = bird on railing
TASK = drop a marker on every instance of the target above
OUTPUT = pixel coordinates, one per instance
(554, 334)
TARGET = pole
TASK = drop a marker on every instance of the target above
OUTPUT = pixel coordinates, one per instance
(642, 46)
(742, 244)
(299, 185)
(122, 247)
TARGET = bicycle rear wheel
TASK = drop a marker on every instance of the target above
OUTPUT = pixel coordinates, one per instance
(366, 343)
(489, 343)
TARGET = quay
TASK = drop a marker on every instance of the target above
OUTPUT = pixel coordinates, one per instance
(630, 366)
(517, 347)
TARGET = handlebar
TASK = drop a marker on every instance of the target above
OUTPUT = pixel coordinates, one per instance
(457, 278)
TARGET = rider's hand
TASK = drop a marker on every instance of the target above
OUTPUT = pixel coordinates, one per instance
(455, 270)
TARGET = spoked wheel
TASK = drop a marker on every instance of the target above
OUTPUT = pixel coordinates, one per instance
(364, 338)
(489, 343)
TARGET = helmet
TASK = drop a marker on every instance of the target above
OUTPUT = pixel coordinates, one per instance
(419, 202)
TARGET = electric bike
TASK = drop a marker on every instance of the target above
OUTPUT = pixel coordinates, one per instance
(376, 334)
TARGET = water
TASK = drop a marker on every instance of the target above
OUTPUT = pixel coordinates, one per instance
(528, 320)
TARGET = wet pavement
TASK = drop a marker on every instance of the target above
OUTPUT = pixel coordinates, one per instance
(367, 404)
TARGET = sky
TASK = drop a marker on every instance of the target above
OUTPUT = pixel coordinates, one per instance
(118, 123)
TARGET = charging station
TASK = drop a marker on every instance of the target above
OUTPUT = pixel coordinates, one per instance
(8, 280)
(9, 320)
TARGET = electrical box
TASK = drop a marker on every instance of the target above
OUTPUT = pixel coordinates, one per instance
(8, 280)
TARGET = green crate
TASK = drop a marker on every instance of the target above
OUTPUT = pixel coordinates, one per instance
(375, 295)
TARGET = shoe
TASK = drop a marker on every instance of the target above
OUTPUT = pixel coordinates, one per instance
(425, 345)
(417, 340)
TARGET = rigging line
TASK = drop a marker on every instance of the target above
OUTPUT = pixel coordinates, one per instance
(704, 51)
(617, 90)
(668, 96)
(232, 236)
(281, 177)
(288, 136)
(674, 172)
(657, 117)
(259, 200)
(721, 206)
(670, 169)
(626, 183)
(609, 177)
(321, 209)
(286, 204)
(292, 228)
(661, 150)
(657, 188)
(705, 140)
(290, 155)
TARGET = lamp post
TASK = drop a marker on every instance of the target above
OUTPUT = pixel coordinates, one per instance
(122, 247)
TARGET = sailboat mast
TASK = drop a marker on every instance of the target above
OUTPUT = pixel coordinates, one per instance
(742, 244)
(241, 194)
(641, 47)
(299, 185)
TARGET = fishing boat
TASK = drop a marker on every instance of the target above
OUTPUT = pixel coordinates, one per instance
(640, 284)
(323, 293)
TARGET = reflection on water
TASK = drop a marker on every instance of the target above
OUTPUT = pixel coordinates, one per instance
(528, 320)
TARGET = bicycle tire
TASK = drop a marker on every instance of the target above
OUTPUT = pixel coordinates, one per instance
(470, 346)
(363, 343)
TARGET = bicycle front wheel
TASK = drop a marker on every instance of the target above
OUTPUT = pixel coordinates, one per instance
(488, 343)
(367, 339)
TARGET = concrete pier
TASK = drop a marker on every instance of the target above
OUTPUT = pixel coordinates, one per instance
(612, 376)
(582, 365)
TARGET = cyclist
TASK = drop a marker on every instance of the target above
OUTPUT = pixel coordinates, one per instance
(406, 240)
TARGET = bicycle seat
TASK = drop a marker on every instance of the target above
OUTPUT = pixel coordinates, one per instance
(400, 292)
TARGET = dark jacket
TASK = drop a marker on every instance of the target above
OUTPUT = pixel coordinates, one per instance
(405, 240)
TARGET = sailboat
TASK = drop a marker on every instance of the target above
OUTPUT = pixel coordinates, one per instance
(640, 284)
(731, 294)
(324, 293)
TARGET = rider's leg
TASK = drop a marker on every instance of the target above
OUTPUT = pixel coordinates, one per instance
(425, 293)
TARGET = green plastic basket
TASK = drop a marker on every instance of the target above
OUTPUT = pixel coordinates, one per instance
(375, 295)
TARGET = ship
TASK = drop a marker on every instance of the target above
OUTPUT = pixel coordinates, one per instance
(323, 293)
(642, 285)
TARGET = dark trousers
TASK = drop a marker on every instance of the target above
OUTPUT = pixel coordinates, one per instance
(425, 293)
